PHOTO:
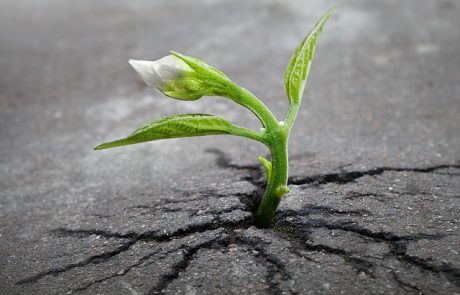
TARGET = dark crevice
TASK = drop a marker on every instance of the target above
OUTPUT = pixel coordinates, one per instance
(256, 177)
(171, 210)
(349, 226)
(160, 236)
(274, 265)
(156, 236)
(359, 264)
(406, 286)
(188, 255)
(256, 174)
(349, 176)
(299, 241)
(310, 209)
(301, 230)
(176, 269)
(122, 273)
(250, 201)
(297, 232)
(96, 259)
(224, 161)
(451, 273)
(273, 269)
(150, 236)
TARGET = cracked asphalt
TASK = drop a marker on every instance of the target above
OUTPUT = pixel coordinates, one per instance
(374, 156)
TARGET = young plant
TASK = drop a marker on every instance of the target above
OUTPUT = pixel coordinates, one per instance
(187, 78)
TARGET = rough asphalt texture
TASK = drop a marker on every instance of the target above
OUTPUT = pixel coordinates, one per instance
(375, 174)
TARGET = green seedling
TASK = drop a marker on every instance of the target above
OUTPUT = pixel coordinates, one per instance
(187, 78)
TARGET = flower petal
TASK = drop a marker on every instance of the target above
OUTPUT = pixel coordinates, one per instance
(171, 67)
(145, 69)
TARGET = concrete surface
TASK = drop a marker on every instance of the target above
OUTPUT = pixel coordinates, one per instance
(375, 171)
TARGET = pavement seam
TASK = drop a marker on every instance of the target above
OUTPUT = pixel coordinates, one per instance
(406, 286)
(396, 243)
(275, 265)
(95, 259)
(300, 242)
(188, 255)
(349, 176)
(133, 239)
(250, 200)
(119, 273)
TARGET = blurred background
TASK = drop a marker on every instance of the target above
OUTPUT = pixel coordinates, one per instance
(385, 83)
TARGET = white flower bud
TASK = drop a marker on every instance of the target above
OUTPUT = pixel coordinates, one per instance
(160, 72)
(181, 77)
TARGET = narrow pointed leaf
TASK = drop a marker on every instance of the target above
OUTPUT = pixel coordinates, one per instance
(281, 191)
(175, 126)
(297, 70)
(267, 166)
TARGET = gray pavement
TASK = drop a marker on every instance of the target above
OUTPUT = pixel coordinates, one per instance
(375, 153)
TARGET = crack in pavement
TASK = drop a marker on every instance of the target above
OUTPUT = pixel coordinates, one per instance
(165, 279)
(133, 238)
(300, 242)
(327, 211)
(119, 273)
(349, 176)
(274, 265)
(256, 176)
(188, 253)
(224, 161)
(451, 273)
(396, 243)
(406, 286)
(95, 259)
(248, 201)
(347, 226)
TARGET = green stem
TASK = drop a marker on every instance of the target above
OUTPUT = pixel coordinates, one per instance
(275, 137)
(248, 133)
(250, 101)
(277, 182)
(291, 115)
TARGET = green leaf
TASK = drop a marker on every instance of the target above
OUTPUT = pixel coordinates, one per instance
(281, 191)
(175, 126)
(267, 166)
(299, 64)
(205, 71)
